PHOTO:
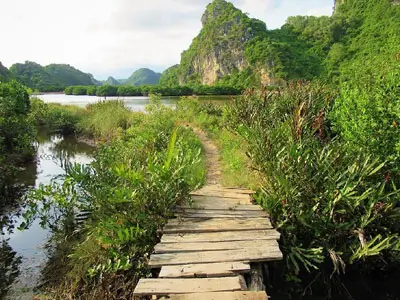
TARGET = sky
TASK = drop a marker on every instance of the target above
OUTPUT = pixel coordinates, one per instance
(116, 37)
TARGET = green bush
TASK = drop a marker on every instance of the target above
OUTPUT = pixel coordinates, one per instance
(56, 117)
(367, 116)
(332, 207)
(107, 90)
(105, 119)
(16, 134)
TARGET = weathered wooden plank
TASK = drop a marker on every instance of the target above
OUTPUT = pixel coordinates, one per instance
(216, 225)
(226, 189)
(149, 287)
(219, 215)
(221, 194)
(204, 270)
(182, 258)
(216, 199)
(203, 246)
(200, 213)
(243, 295)
(212, 203)
(221, 236)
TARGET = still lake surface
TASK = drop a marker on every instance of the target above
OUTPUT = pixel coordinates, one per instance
(133, 103)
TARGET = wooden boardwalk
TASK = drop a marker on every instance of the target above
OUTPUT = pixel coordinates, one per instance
(207, 249)
(215, 246)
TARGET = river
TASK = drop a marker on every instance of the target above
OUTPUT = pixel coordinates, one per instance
(22, 253)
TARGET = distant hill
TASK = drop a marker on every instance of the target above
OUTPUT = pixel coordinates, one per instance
(170, 76)
(5, 74)
(143, 76)
(54, 77)
(111, 81)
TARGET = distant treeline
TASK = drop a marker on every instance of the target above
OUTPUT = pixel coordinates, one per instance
(144, 90)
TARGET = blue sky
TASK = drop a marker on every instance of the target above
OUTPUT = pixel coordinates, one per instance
(115, 37)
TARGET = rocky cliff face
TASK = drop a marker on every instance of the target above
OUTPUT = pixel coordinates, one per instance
(218, 50)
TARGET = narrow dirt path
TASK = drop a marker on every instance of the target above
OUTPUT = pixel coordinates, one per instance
(213, 175)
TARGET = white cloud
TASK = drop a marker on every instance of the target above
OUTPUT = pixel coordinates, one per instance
(114, 37)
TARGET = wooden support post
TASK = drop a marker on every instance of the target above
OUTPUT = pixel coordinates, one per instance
(256, 278)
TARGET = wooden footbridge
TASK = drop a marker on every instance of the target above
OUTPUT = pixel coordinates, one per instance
(215, 247)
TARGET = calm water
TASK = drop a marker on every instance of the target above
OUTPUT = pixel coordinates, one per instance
(133, 103)
(22, 253)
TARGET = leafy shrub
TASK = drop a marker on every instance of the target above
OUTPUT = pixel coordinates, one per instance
(105, 119)
(56, 117)
(332, 207)
(367, 115)
(16, 134)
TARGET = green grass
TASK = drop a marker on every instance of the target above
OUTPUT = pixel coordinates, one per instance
(105, 119)
(235, 165)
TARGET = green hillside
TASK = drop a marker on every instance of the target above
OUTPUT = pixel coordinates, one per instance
(111, 81)
(143, 76)
(54, 77)
(5, 74)
(170, 76)
(234, 49)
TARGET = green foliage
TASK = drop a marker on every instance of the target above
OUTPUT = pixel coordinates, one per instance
(333, 207)
(361, 35)
(143, 77)
(15, 130)
(106, 90)
(367, 116)
(170, 76)
(5, 74)
(105, 119)
(127, 192)
(368, 35)
(56, 117)
(222, 88)
(49, 78)
(16, 134)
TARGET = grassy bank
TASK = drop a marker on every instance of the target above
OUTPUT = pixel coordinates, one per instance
(146, 166)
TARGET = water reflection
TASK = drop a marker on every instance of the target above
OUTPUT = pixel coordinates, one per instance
(22, 253)
(9, 271)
